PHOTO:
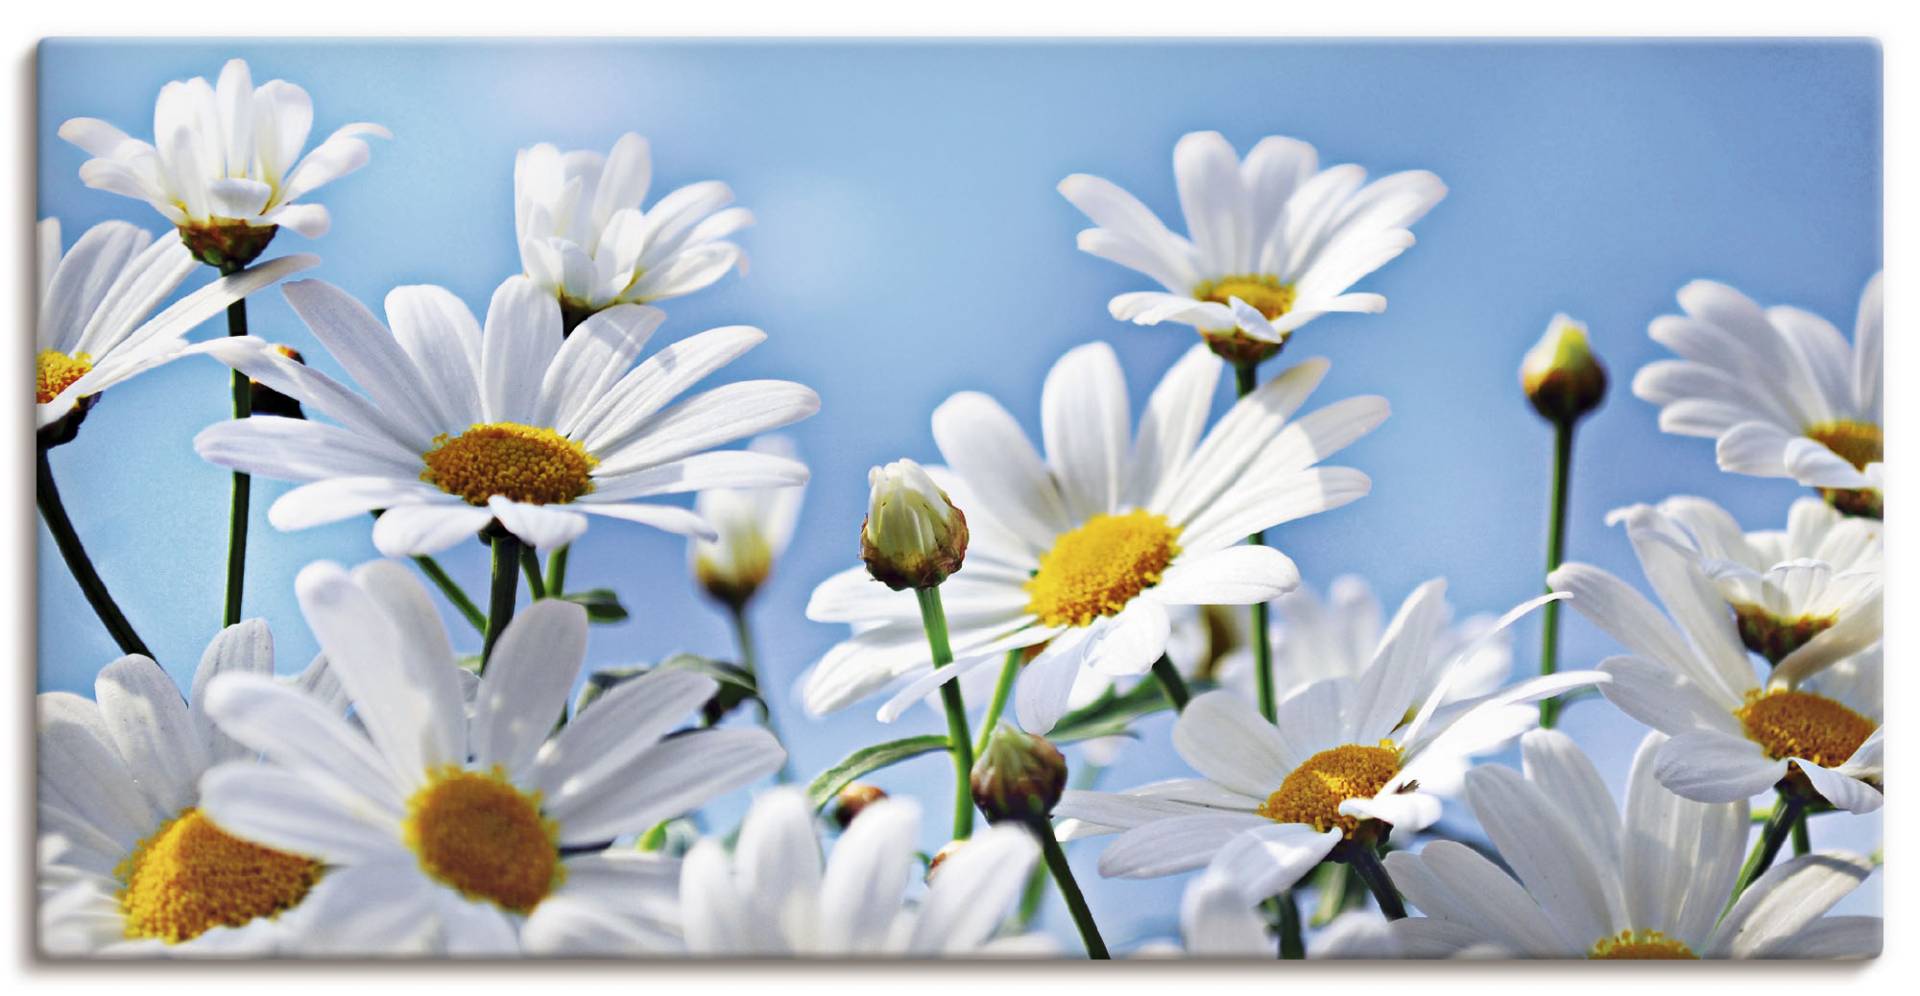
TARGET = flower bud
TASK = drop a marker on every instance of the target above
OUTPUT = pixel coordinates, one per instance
(1018, 777)
(267, 401)
(913, 536)
(1562, 377)
(853, 800)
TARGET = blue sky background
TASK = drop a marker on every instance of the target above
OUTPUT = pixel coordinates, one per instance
(910, 244)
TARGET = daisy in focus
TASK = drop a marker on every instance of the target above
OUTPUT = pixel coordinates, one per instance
(130, 864)
(1272, 242)
(1780, 390)
(224, 166)
(1086, 549)
(96, 328)
(1343, 761)
(1813, 726)
(516, 423)
(482, 830)
(774, 896)
(585, 238)
(1593, 883)
(753, 527)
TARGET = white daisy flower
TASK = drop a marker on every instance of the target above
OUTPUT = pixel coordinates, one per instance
(224, 166)
(487, 831)
(774, 895)
(1085, 550)
(1813, 724)
(1780, 390)
(1786, 588)
(129, 862)
(518, 423)
(1276, 799)
(754, 526)
(585, 238)
(1273, 242)
(94, 328)
(1593, 883)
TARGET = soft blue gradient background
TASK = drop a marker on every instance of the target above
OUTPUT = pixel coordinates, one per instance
(910, 244)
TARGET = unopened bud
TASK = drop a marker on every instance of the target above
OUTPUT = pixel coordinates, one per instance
(1018, 777)
(267, 401)
(913, 536)
(853, 800)
(1562, 377)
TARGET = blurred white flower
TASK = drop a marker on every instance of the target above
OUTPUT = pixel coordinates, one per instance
(753, 527)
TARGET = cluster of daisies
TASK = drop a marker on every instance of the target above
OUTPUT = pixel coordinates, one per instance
(402, 797)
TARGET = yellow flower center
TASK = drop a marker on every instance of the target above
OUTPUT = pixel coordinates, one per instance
(191, 876)
(56, 371)
(527, 464)
(1266, 295)
(1800, 724)
(1641, 945)
(478, 834)
(1858, 443)
(1097, 569)
(1313, 792)
(1774, 637)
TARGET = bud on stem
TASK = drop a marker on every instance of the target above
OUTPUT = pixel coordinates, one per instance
(1018, 777)
(913, 536)
(1561, 376)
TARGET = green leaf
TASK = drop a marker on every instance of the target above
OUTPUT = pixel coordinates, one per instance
(869, 759)
(1112, 714)
(602, 605)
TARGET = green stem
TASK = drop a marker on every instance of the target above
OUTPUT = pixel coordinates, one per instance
(1556, 548)
(750, 663)
(455, 594)
(1171, 683)
(1779, 826)
(998, 704)
(506, 575)
(1030, 897)
(1246, 378)
(1366, 862)
(530, 564)
(1070, 891)
(1802, 843)
(557, 571)
(1286, 908)
(933, 616)
(239, 511)
(54, 511)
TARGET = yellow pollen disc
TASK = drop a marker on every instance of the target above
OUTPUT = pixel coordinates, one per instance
(1858, 443)
(478, 834)
(1641, 945)
(1800, 724)
(1097, 569)
(191, 876)
(56, 371)
(1313, 792)
(524, 463)
(1266, 295)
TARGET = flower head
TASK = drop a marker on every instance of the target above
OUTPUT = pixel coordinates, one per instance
(1273, 241)
(463, 426)
(754, 526)
(585, 238)
(1018, 777)
(224, 166)
(1562, 378)
(914, 536)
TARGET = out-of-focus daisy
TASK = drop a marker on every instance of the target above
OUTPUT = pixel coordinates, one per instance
(1272, 242)
(224, 166)
(129, 862)
(1084, 550)
(585, 238)
(754, 526)
(1217, 921)
(1817, 580)
(93, 329)
(485, 831)
(1811, 721)
(774, 896)
(1779, 389)
(517, 423)
(1649, 884)
(1342, 758)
